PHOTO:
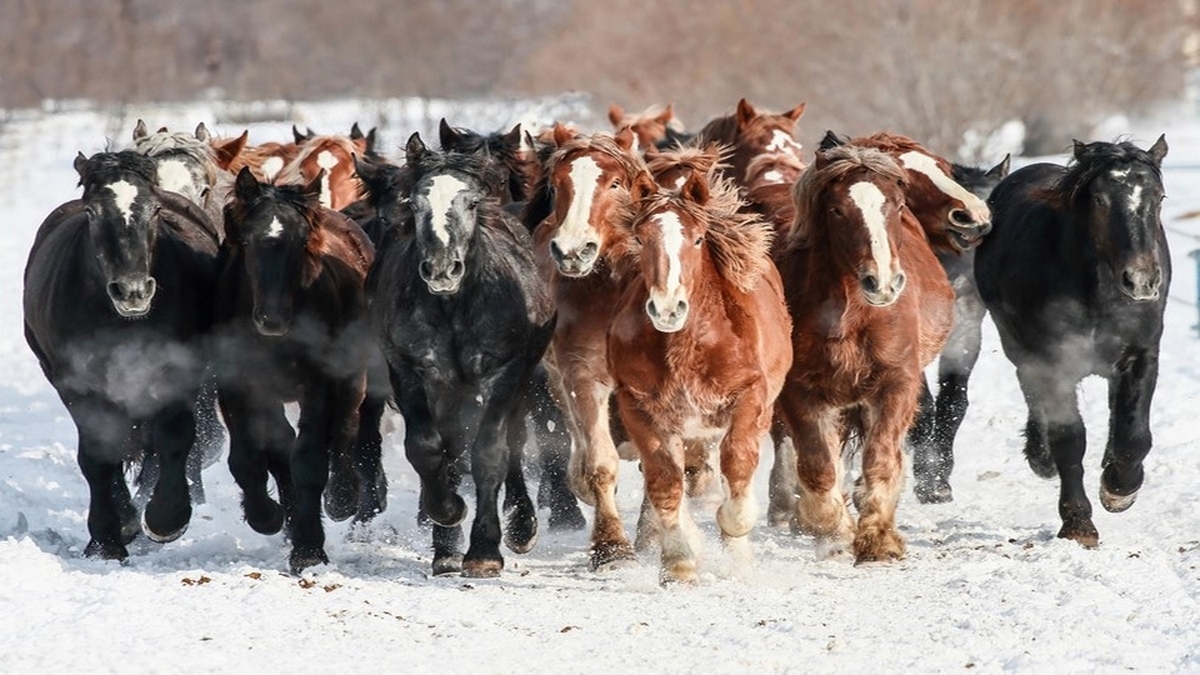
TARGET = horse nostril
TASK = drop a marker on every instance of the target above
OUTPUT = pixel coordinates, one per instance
(116, 291)
(590, 250)
(682, 308)
(961, 217)
(555, 251)
(898, 282)
(457, 268)
(870, 283)
(651, 309)
(426, 269)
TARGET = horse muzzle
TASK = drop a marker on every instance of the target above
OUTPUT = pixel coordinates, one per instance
(577, 262)
(879, 294)
(271, 324)
(442, 278)
(966, 230)
(132, 298)
(667, 317)
(1142, 283)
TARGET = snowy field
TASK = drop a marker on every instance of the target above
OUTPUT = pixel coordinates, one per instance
(986, 586)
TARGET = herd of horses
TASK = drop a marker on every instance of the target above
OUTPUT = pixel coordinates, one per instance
(643, 293)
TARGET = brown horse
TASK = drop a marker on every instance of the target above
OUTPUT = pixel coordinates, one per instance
(756, 138)
(334, 154)
(583, 193)
(656, 124)
(698, 351)
(871, 307)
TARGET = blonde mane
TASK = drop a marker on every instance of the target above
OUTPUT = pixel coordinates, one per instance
(832, 165)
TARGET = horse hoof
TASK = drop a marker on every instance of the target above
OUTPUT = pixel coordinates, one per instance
(938, 494)
(520, 534)
(1115, 503)
(444, 565)
(678, 572)
(303, 558)
(447, 514)
(265, 518)
(1084, 534)
(881, 546)
(1043, 465)
(567, 519)
(110, 551)
(341, 496)
(604, 557)
(163, 527)
(482, 568)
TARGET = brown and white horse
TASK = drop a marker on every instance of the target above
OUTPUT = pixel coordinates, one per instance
(871, 307)
(654, 125)
(763, 146)
(334, 154)
(583, 194)
(698, 351)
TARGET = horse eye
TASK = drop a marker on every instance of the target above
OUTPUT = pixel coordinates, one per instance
(616, 184)
(637, 240)
(473, 205)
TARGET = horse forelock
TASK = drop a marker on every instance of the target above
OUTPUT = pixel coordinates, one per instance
(1099, 158)
(104, 168)
(739, 240)
(810, 188)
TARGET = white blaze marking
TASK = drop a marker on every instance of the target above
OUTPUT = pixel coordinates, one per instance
(326, 160)
(773, 176)
(574, 230)
(870, 200)
(271, 167)
(441, 199)
(173, 175)
(672, 230)
(123, 196)
(275, 229)
(781, 141)
(926, 165)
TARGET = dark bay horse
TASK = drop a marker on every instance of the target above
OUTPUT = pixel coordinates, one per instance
(117, 302)
(291, 326)
(1075, 275)
(871, 308)
(463, 317)
(518, 166)
(698, 349)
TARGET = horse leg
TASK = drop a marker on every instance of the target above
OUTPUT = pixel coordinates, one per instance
(954, 371)
(249, 436)
(739, 459)
(1053, 406)
(600, 469)
(328, 421)
(490, 464)
(554, 456)
(781, 488)
(368, 459)
(1129, 439)
(172, 432)
(423, 448)
(210, 437)
(821, 509)
(520, 515)
(931, 474)
(886, 423)
(105, 436)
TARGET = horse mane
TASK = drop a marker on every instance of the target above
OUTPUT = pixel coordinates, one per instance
(103, 168)
(810, 187)
(1093, 159)
(739, 240)
(699, 160)
(330, 233)
(722, 129)
(166, 144)
(891, 143)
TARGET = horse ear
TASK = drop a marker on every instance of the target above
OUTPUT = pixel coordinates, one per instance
(370, 141)
(162, 130)
(615, 114)
(831, 140)
(299, 137)
(356, 133)
(513, 138)
(246, 187)
(820, 159)
(80, 164)
(626, 139)
(1159, 149)
(367, 171)
(695, 189)
(795, 113)
(666, 115)
(140, 131)
(227, 151)
(745, 113)
(1078, 148)
(448, 136)
(561, 134)
(1001, 169)
(643, 186)
(415, 148)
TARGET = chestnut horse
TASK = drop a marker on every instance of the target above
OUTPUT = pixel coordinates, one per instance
(583, 193)
(653, 126)
(698, 351)
(752, 135)
(871, 308)
(334, 155)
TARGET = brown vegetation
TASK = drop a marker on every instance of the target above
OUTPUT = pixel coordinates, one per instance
(927, 68)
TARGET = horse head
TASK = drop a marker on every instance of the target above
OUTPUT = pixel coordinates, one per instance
(589, 180)
(273, 227)
(517, 165)
(123, 213)
(753, 133)
(852, 203)
(449, 198)
(1119, 188)
(187, 163)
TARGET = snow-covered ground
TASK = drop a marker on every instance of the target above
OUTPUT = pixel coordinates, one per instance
(986, 586)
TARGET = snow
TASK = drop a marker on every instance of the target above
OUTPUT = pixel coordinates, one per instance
(985, 587)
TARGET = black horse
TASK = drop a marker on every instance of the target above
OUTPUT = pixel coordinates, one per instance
(291, 326)
(516, 163)
(1075, 275)
(934, 434)
(463, 318)
(117, 303)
